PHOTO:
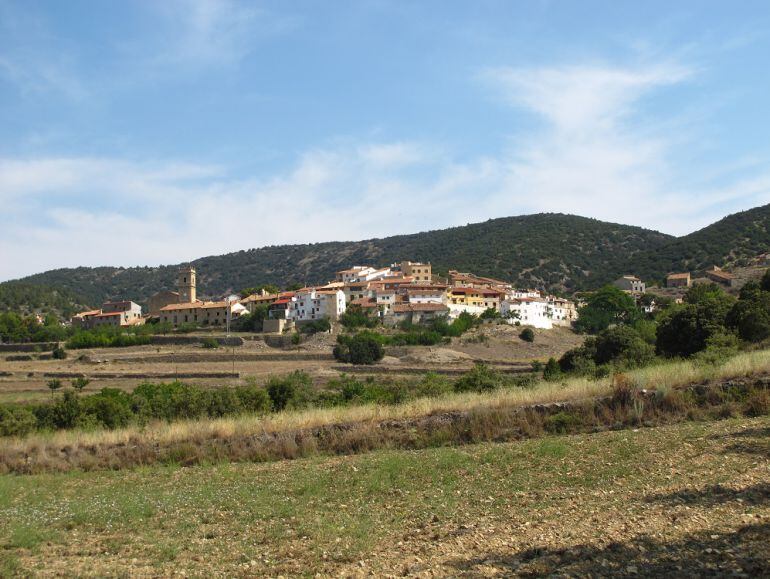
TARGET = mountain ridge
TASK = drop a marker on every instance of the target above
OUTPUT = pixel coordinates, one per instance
(552, 251)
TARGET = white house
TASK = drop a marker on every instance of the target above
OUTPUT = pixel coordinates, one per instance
(310, 304)
(535, 312)
(354, 273)
(425, 294)
(564, 312)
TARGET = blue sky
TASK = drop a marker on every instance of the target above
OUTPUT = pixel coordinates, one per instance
(143, 133)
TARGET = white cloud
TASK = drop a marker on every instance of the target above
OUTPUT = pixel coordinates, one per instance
(593, 153)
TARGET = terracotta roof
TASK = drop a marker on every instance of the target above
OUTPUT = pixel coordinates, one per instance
(183, 306)
(194, 306)
(108, 314)
(364, 303)
(426, 287)
(281, 302)
(678, 275)
(719, 274)
(401, 308)
(259, 298)
(88, 313)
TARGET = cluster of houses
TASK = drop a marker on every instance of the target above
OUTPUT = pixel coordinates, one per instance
(405, 291)
(409, 291)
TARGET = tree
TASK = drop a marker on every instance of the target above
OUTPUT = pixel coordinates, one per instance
(80, 383)
(684, 330)
(624, 346)
(356, 317)
(527, 334)
(53, 385)
(606, 307)
(363, 348)
(552, 371)
(254, 321)
(750, 316)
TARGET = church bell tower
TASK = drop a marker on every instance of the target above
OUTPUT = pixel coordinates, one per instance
(186, 284)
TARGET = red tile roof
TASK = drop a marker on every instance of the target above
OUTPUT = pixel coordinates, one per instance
(402, 308)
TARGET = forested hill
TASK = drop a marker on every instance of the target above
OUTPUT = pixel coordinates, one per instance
(545, 250)
(731, 241)
(552, 251)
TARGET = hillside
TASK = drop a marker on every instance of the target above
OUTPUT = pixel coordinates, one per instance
(557, 252)
(731, 241)
(31, 298)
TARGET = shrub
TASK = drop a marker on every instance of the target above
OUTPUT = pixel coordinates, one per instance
(80, 383)
(253, 398)
(210, 343)
(552, 371)
(110, 408)
(433, 385)
(562, 422)
(362, 348)
(758, 403)
(58, 353)
(357, 317)
(527, 334)
(481, 378)
(719, 347)
(16, 421)
(322, 325)
(292, 391)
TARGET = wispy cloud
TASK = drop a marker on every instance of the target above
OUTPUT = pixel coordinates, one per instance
(591, 151)
(205, 33)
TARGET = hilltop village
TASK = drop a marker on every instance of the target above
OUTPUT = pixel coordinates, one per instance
(403, 292)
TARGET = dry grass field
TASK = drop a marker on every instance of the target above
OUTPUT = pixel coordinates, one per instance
(685, 500)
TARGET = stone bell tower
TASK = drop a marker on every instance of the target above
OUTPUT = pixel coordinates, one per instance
(186, 284)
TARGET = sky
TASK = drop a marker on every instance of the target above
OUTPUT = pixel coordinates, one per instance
(147, 133)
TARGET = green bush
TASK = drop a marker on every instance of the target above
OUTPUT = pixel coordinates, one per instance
(292, 391)
(316, 326)
(750, 316)
(527, 334)
(684, 330)
(481, 378)
(357, 317)
(58, 353)
(16, 421)
(552, 371)
(362, 348)
(605, 307)
(210, 343)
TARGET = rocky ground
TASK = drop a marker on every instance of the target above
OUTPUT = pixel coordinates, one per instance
(687, 500)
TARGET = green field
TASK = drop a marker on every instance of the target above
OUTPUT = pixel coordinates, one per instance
(690, 496)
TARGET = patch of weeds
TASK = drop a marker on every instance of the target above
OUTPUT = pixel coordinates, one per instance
(10, 566)
(28, 537)
(562, 422)
(551, 448)
(166, 552)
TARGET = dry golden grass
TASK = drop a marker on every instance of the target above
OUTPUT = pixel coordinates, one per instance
(664, 375)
